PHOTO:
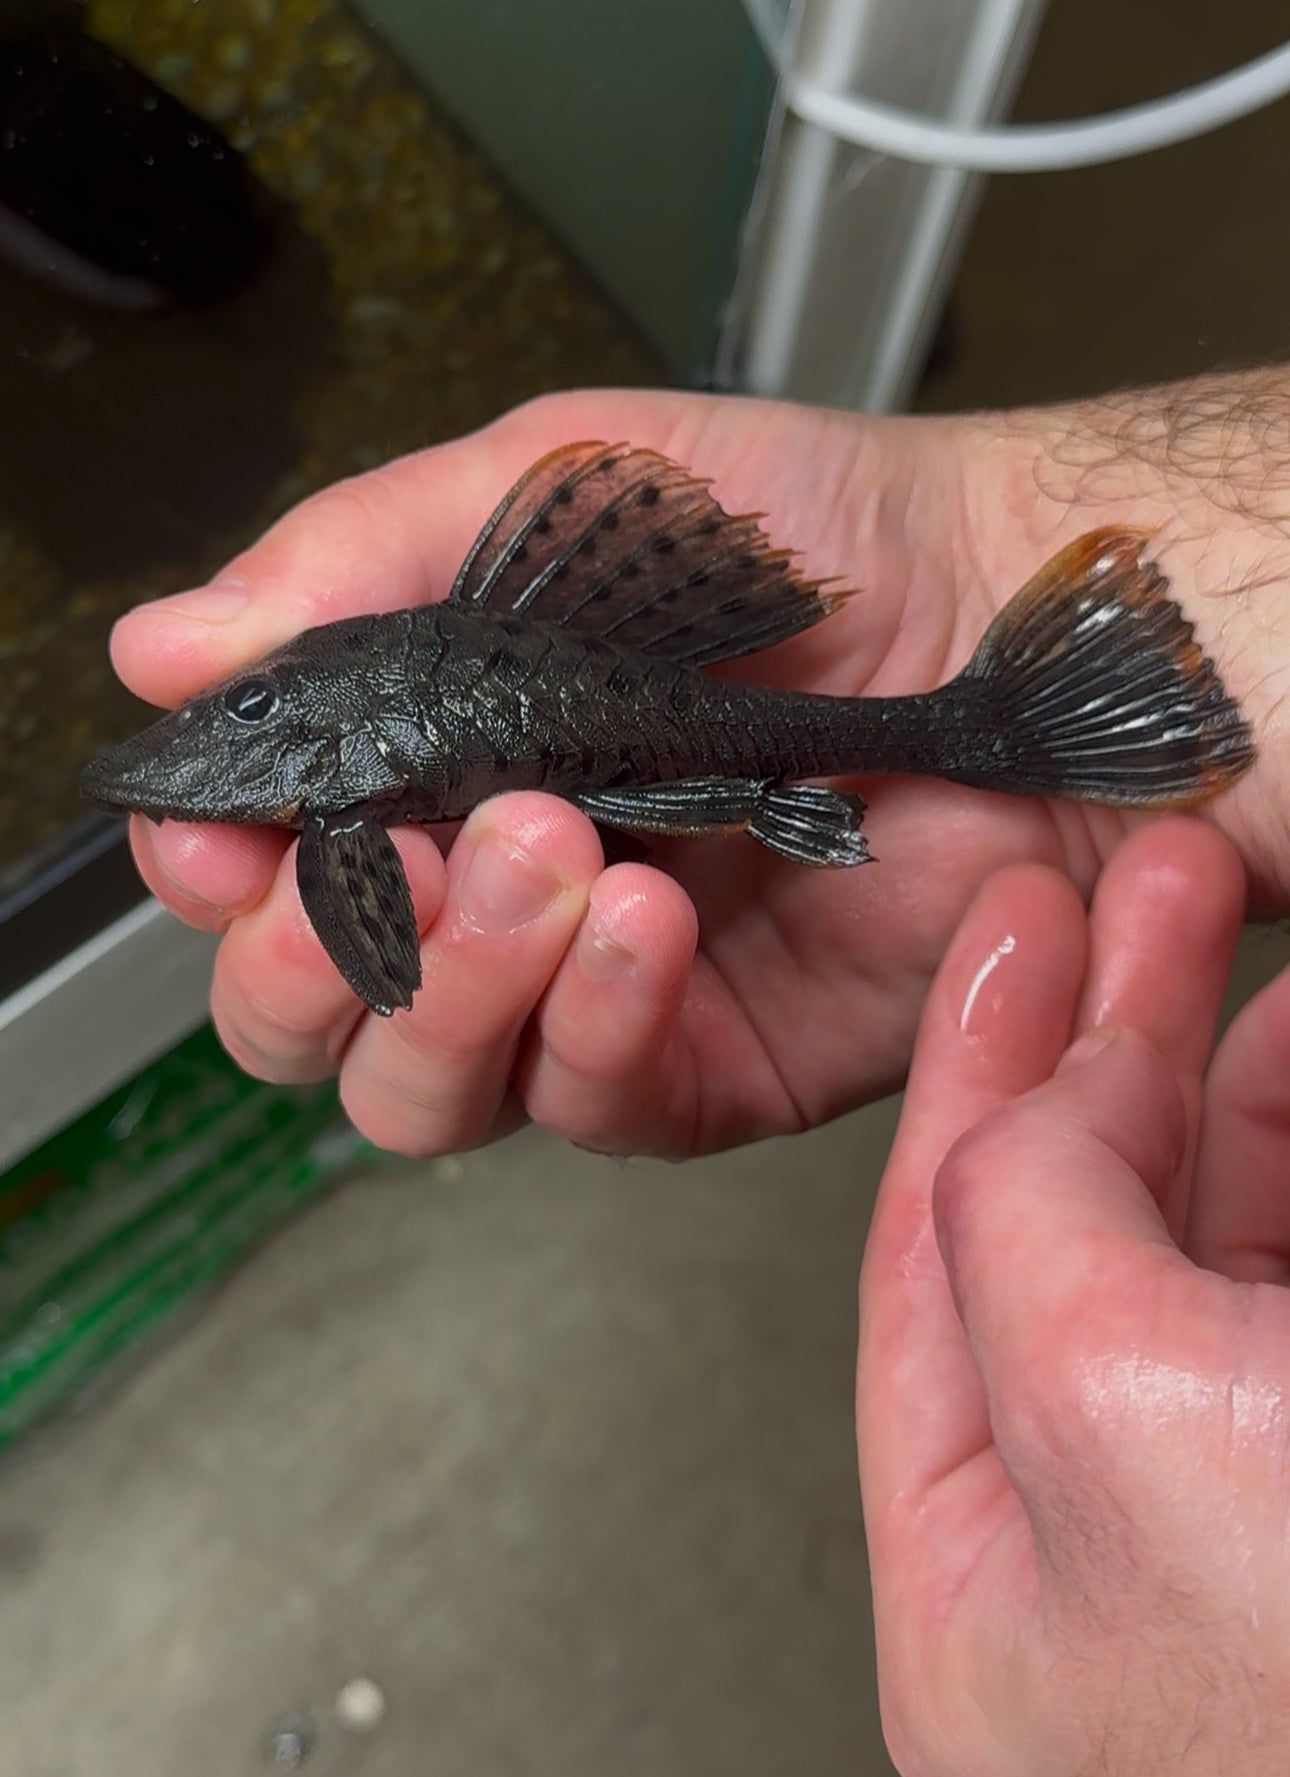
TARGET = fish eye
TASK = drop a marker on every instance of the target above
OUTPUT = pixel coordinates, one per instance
(251, 700)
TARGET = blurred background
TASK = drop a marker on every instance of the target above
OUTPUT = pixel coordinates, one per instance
(523, 1460)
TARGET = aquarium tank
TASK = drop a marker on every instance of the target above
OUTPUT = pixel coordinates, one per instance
(247, 248)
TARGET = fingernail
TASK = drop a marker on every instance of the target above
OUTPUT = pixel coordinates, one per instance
(600, 955)
(503, 888)
(220, 602)
(1085, 1047)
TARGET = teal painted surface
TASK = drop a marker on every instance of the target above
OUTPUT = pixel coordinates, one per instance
(114, 1224)
(634, 129)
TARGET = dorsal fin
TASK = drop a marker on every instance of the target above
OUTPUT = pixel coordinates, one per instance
(625, 544)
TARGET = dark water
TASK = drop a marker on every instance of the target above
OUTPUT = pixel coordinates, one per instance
(241, 255)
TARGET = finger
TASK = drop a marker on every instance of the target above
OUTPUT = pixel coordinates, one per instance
(207, 875)
(1240, 1221)
(1165, 921)
(377, 542)
(996, 1021)
(1048, 1220)
(605, 1067)
(279, 1004)
(436, 1078)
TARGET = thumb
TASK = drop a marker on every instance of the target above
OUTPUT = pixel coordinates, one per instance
(1047, 1216)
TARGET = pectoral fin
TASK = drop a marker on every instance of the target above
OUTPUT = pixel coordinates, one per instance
(356, 894)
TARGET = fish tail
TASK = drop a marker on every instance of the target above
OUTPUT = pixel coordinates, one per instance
(1095, 688)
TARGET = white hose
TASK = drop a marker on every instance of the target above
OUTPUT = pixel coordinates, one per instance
(1045, 147)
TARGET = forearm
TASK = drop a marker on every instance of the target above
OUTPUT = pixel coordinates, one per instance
(1206, 464)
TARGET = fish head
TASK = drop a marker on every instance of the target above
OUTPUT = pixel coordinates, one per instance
(294, 734)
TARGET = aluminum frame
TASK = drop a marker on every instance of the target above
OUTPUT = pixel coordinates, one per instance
(92, 1020)
(849, 255)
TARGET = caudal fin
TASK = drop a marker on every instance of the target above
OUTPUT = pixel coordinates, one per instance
(1098, 691)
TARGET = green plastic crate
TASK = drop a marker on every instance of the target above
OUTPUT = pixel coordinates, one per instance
(114, 1224)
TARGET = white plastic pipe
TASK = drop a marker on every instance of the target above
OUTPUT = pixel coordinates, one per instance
(1037, 148)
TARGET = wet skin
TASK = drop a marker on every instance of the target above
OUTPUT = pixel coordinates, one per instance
(576, 995)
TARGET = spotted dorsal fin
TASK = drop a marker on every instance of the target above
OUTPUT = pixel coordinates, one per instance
(624, 544)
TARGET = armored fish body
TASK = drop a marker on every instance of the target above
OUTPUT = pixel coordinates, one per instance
(568, 658)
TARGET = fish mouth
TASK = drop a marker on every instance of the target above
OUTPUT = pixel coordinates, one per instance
(105, 783)
(126, 780)
(175, 784)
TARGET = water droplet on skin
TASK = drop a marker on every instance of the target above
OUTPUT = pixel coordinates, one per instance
(1005, 947)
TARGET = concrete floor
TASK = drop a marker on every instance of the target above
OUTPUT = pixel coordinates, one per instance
(556, 1452)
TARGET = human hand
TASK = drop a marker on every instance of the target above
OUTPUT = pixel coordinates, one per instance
(575, 995)
(1074, 1372)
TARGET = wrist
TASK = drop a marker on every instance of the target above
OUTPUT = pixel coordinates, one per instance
(1206, 466)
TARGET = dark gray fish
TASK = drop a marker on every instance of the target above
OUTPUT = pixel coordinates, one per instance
(567, 658)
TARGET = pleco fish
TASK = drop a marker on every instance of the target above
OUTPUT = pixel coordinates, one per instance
(567, 658)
